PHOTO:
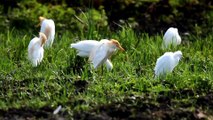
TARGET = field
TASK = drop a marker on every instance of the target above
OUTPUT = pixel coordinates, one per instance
(129, 91)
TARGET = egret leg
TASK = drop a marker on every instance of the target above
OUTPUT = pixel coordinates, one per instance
(102, 70)
(90, 68)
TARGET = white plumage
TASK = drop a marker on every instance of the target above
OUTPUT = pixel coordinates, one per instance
(171, 37)
(97, 51)
(48, 28)
(166, 63)
(35, 49)
(84, 47)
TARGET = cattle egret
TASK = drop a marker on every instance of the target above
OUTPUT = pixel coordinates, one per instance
(89, 48)
(166, 63)
(103, 51)
(85, 47)
(171, 37)
(35, 49)
(48, 28)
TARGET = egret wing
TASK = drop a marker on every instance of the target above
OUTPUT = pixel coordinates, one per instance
(99, 55)
(31, 46)
(51, 35)
(35, 51)
(178, 38)
(163, 64)
(85, 47)
(43, 26)
(168, 36)
(48, 28)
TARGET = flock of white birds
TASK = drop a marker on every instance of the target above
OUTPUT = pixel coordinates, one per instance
(99, 52)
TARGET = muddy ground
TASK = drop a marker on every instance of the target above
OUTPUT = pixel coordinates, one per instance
(167, 105)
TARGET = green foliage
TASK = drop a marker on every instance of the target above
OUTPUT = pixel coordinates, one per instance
(25, 17)
(150, 16)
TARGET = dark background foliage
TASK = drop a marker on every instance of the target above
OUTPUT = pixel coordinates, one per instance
(151, 16)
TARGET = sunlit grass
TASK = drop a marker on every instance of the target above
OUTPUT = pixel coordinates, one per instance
(52, 83)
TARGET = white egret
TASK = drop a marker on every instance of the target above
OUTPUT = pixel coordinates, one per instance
(171, 37)
(36, 50)
(90, 48)
(48, 28)
(166, 63)
(103, 51)
(85, 47)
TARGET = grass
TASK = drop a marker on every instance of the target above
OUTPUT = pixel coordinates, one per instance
(53, 82)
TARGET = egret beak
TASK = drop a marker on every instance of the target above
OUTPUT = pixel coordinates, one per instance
(38, 25)
(122, 49)
(117, 44)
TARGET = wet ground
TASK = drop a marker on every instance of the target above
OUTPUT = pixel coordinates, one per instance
(185, 104)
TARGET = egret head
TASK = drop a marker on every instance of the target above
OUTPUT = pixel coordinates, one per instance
(178, 55)
(43, 38)
(172, 28)
(41, 19)
(117, 44)
(175, 30)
